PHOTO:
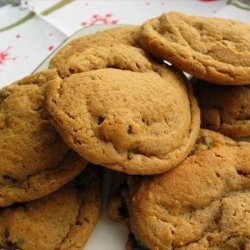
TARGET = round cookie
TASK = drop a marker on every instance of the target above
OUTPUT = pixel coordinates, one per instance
(225, 109)
(62, 220)
(212, 49)
(125, 35)
(201, 204)
(34, 159)
(127, 115)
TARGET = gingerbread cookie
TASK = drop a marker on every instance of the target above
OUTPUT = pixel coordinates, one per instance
(212, 49)
(125, 35)
(201, 204)
(225, 109)
(34, 159)
(62, 220)
(126, 114)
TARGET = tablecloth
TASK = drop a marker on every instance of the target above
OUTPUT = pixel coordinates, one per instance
(31, 30)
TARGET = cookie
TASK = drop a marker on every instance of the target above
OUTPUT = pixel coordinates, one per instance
(116, 56)
(34, 159)
(126, 114)
(125, 35)
(225, 109)
(116, 208)
(201, 204)
(212, 49)
(62, 220)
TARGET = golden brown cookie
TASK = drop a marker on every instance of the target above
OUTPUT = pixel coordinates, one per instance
(116, 205)
(115, 56)
(34, 159)
(225, 109)
(127, 115)
(213, 49)
(62, 220)
(201, 204)
(125, 35)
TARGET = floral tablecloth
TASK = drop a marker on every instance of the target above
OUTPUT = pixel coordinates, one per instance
(31, 30)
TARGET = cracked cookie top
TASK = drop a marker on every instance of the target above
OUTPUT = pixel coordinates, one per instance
(125, 35)
(125, 112)
(201, 204)
(34, 159)
(225, 109)
(62, 220)
(212, 49)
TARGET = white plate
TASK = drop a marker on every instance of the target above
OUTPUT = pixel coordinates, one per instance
(107, 235)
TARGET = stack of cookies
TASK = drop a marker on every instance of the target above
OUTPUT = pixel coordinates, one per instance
(48, 199)
(120, 99)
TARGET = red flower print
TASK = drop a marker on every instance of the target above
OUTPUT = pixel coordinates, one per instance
(98, 19)
(50, 47)
(5, 55)
(208, 0)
